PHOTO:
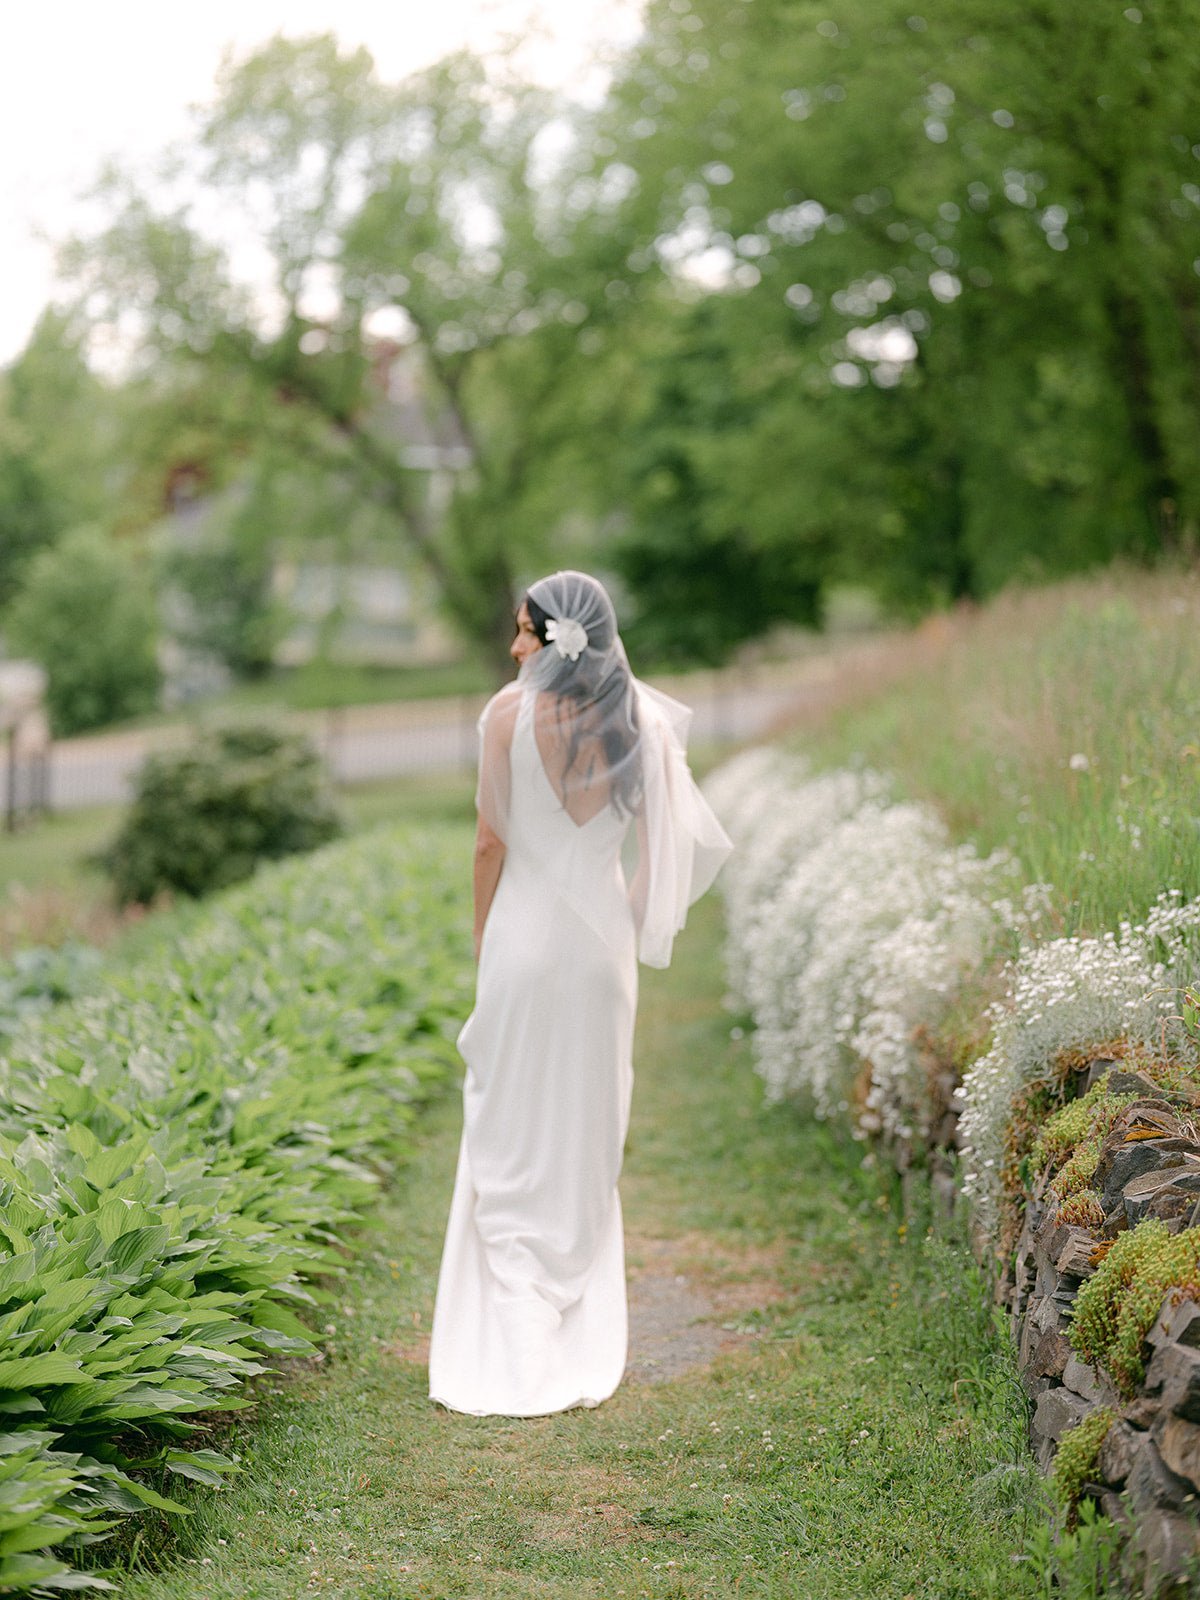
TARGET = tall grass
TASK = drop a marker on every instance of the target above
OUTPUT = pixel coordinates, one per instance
(1062, 723)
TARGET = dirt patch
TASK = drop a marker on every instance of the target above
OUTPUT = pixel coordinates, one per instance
(687, 1301)
(600, 1514)
(415, 1349)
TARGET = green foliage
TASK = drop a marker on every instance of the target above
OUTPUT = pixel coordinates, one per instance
(1076, 1121)
(1083, 1208)
(225, 575)
(1073, 1137)
(1190, 1012)
(871, 296)
(1115, 1309)
(1078, 1450)
(951, 293)
(866, 1437)
(26, 518)
(1086, 1560)
(86, 612)
(71, 424)
(701, 573)
(1059, 723)
(357, 186)
(1078, 1170)
(205, 817)
(181, 1152)
(37, 976)
(58, 439)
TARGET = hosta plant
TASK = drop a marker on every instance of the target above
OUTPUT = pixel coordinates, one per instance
(182, 1149)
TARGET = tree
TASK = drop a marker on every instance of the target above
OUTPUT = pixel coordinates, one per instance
(226, 577)
(26, 516)
(58, 427)
(87, 614)
(952, 258)
(420, 208)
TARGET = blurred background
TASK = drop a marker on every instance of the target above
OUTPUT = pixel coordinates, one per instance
(325, 331)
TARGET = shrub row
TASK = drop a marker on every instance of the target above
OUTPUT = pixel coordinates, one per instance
(181, 1151)
(855, 927)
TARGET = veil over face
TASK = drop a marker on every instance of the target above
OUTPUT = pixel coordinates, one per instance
(610, 746)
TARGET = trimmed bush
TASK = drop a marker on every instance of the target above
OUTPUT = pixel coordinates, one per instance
(204, 818)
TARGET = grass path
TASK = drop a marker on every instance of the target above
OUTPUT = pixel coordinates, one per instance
(851, 1427)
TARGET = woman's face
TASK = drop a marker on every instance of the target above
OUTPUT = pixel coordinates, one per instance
(527, 641)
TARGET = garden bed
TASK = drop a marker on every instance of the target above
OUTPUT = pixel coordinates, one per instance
(183, 1148)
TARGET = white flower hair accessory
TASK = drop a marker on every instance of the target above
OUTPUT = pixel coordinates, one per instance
(570, 637)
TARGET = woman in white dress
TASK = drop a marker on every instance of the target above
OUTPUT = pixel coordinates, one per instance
(530, 1315)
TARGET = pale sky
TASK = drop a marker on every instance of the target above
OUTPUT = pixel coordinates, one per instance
(81, 81)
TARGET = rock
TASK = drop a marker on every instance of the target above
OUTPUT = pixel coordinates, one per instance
(1047, 1315)
(1113, 1506)
(1096, 1070)
(1118, 1451)
(1168, 1544)
(1178, 1444)
(1140, 1413)
(1152, 1486)
(1056, 1411)
(1115, 1221)
(1064, 1295)
(1075, 1258)
(945, 1194)
(1124, 1082)
(1177, 1324)
(1180, 1222)
(1047, 1278)
(1051, 1238)
(1027, 1337)
(1168, 1192)
(1120, 1163)
(1155, 1115)
(1050, 1356)
(1090, 1382)
(1174, 1376)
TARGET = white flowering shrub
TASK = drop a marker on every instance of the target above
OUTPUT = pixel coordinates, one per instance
(852, 921)
(1073, 994)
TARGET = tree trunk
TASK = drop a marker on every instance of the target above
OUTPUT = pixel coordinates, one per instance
(1131, 358)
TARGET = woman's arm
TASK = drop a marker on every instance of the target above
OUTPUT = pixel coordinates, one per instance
(490, 851)
(492, 800)
(641, 877)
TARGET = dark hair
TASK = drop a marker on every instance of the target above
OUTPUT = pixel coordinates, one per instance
(537, 616)
(581, 681)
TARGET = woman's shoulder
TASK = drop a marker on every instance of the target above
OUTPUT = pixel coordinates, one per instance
(499, 715)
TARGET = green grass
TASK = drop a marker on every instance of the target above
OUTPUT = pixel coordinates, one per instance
(868, 1441)
(49, 893)
(49, 853)
(983, 715)
(436, 797)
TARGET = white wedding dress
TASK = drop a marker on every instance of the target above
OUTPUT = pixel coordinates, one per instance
(530, 1315)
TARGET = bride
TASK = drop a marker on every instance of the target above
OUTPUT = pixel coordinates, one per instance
(575, 756)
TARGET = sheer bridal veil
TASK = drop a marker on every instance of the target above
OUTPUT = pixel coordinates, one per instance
(612, 748)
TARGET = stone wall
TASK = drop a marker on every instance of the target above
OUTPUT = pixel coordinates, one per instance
(1148, 1472)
